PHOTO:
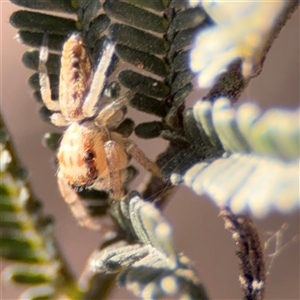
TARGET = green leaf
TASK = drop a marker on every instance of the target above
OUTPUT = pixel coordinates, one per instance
(26, 233)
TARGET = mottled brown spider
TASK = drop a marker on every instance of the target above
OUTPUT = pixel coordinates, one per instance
(91, 154)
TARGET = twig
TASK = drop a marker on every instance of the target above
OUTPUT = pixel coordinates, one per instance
(249, 253)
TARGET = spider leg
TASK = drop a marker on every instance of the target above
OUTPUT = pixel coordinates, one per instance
(112, 113)
(97, 85)
(133, 150)
(44, 78)
(113, 161)
(78, 209)
(58, 120)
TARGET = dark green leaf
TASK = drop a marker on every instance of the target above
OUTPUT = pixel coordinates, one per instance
(65, 6)
(135, 16)
(34, 39)
(37, 22)
(146, 85)
(31, 61)
(149, 105)
(138, 39)
(149, 130)
(143, 61)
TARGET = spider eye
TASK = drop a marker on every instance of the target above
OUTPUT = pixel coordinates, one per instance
(89, 157)
(78, 188)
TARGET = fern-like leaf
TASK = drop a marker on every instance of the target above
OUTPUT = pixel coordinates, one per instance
(260, 165)
(150, 268)
(27, 236)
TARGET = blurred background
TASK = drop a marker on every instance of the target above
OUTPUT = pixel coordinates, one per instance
(198, 230)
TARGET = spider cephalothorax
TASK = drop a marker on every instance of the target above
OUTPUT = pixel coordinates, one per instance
(90, 153)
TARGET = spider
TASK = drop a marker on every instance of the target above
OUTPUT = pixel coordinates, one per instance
(91, 154)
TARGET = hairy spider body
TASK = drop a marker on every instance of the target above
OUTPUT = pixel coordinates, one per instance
(90, 153)
(75, 78)
(78, 161)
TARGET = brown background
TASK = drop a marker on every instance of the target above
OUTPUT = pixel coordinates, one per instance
(199, 232)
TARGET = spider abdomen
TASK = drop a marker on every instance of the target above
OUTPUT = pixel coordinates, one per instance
(75, 77)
